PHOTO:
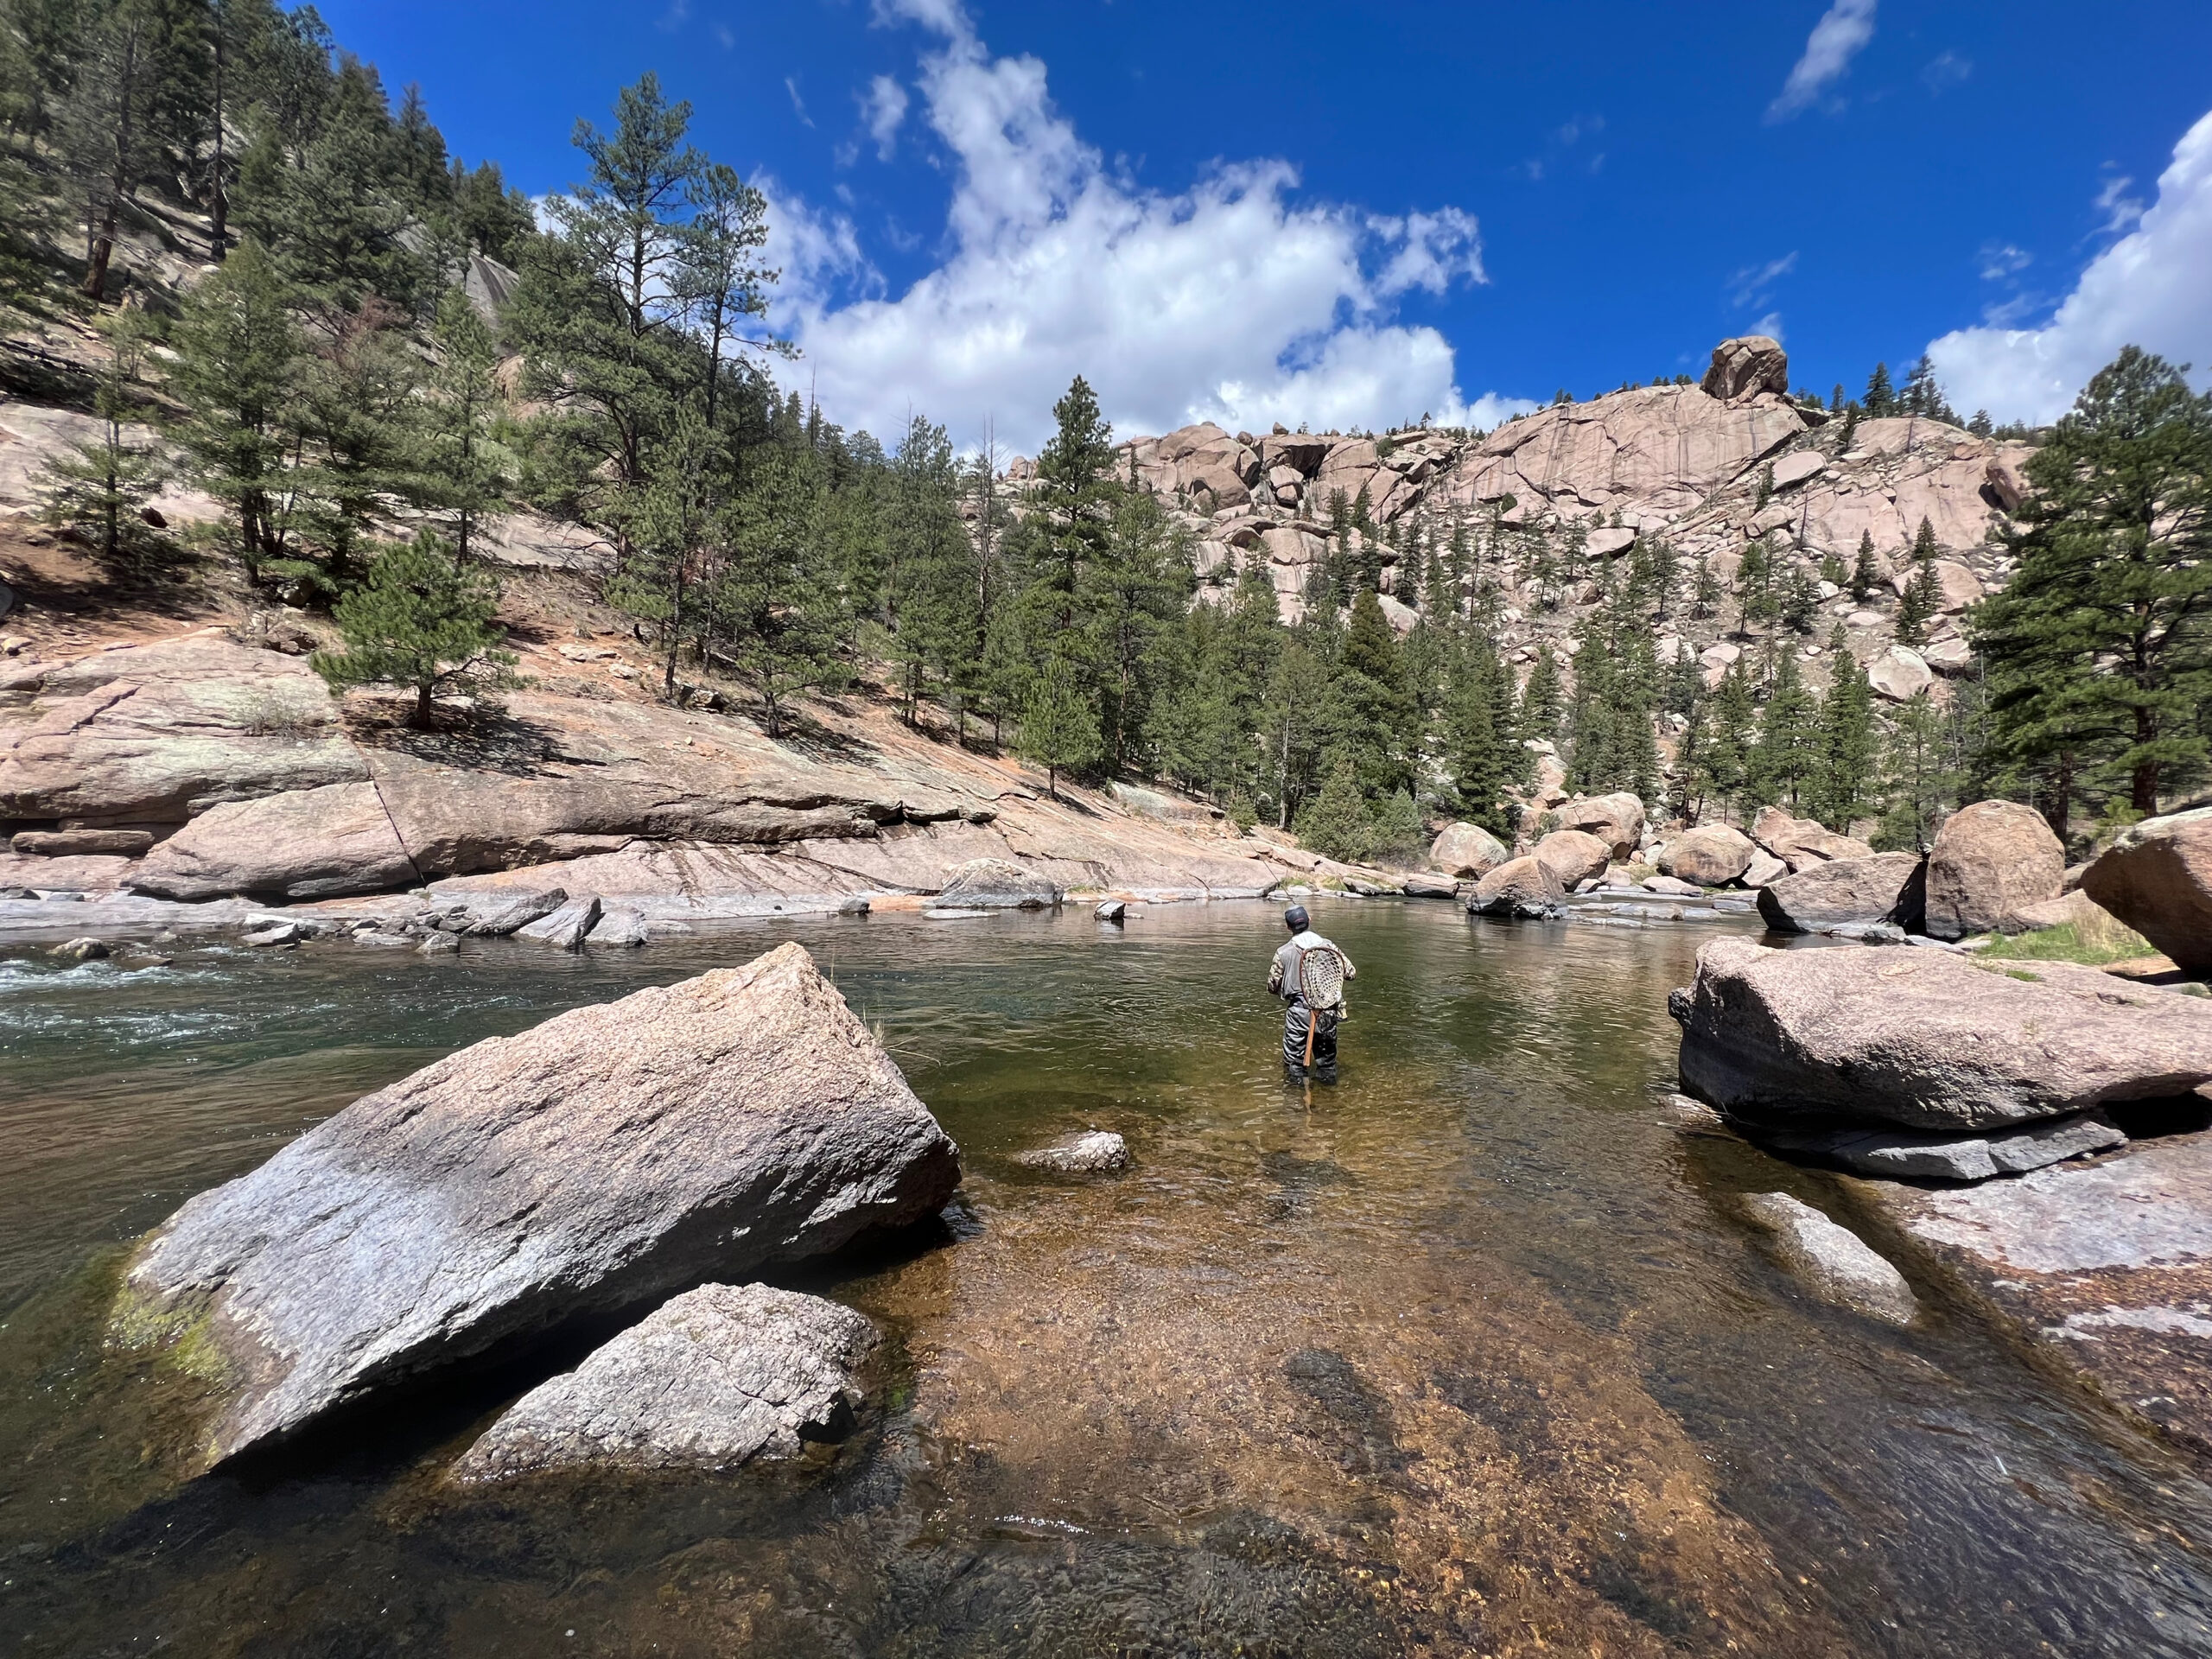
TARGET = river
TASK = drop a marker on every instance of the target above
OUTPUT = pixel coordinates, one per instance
(1467, 1354)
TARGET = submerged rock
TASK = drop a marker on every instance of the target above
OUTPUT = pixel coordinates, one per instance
(1113, 910)
(603, 1159)
(712, 1380)
(2106, 1267)
(81, 951)
(1095, 1152)
(1832, 1261)
(1954, 1158)
(997, 884)
(1926, 1039)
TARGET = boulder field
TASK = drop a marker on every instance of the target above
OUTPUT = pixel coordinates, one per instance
(201, 769)
(589, 1164)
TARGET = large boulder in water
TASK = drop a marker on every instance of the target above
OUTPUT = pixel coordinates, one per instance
(1468, 850)
(1991, 861)
(1572, 856)
(1520, 887)
(998, 884)
(1926, 1039)
(2157, 879)
(718, 1377)
(1713, 854)
(1880, 888)
(597, 1161)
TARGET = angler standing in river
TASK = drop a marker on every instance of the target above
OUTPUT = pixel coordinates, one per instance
(1309, 973)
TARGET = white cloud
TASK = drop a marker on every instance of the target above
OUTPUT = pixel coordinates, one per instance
(1839, 37)
(1230, 300)
(2002, 259)
(1751, 285)
(1770, 326)
(884, 109)
(2120, 210)
(1944, 71)
(799, 103)
(2149, 288)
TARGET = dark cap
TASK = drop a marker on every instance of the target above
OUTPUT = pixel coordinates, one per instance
(1296, 920)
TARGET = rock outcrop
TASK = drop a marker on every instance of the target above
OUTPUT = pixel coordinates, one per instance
(1521, 888)
(1833, 1262)
(1877, 888)
(228, 770)
(605, 1158)
(2157, 877)
(1991, 861)
(1926, 1040)
(712, 1380)
(1746, 367)
(1467, 849)
(1713, 854)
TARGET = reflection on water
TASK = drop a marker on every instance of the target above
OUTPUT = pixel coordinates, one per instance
(1464, 1355)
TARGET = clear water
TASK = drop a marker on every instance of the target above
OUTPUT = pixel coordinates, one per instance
(1465, 1355)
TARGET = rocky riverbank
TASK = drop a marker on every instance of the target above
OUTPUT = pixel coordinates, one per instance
(194, 779)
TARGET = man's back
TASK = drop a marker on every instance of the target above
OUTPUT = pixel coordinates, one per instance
(1283, 978)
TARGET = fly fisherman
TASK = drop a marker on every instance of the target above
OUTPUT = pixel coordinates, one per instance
(1308, 1034)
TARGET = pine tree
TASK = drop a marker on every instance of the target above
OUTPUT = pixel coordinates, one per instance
(1542, 700)
(422, 621)
(462, 471)
(2099, 650)
(1913, 776)
(1059, 731)
(1705, 596)
(1880, 399)
(1725, 750)
(1848, 432)
(1475, 759)
(238, 355)
(98, 487)
(1788, 754)
(1850, 745)
(1865, 575)
(775, 610)
(1336, 823)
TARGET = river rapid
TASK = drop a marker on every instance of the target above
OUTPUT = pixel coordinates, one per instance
(1469, 1353)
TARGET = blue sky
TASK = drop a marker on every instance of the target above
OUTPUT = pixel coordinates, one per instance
(1354, 215)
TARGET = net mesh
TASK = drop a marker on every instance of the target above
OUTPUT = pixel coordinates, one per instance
(1321, 978)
